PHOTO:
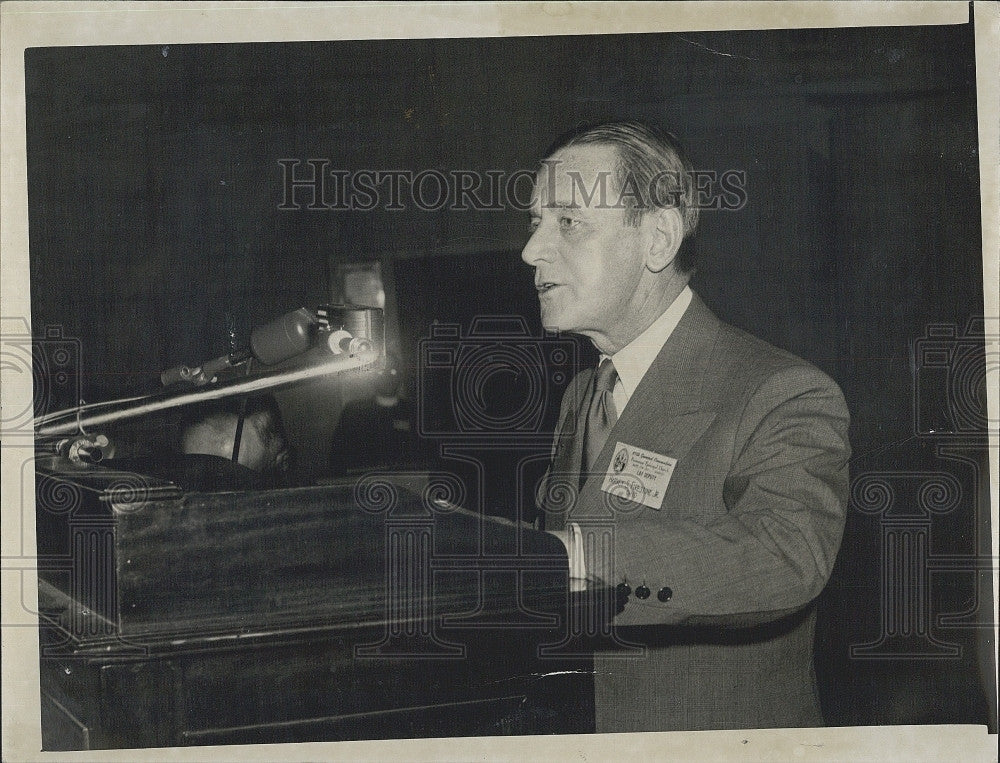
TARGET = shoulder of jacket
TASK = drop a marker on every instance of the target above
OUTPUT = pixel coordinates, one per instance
(740, 355)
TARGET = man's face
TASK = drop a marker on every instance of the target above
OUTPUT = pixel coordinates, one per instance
(262, 448)
(588, 262)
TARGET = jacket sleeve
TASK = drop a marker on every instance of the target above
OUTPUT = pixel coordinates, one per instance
(770, 549)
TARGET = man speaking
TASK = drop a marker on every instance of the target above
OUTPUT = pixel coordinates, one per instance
(718, 462)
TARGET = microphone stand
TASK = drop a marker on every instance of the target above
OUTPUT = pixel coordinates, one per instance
(77, 420)
(350, 338)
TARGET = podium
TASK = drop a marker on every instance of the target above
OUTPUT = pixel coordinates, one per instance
(364, 610)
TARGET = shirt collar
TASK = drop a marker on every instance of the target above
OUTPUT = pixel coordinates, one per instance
(634, 359)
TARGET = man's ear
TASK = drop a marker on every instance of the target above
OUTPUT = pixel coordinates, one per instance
(668, 234)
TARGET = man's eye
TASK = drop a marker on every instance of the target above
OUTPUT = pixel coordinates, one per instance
(533, 224)
(567, 223)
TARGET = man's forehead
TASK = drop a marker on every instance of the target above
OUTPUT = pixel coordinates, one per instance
(572, 168)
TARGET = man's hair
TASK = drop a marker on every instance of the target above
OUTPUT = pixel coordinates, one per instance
(652, 172)
(213, 423)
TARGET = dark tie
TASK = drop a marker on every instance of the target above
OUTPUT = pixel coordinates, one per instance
(601, 415)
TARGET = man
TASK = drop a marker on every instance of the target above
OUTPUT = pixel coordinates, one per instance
(259, 459)
(716, 464)
(198, 454)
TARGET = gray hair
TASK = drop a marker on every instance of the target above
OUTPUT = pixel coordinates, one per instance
(652, 171)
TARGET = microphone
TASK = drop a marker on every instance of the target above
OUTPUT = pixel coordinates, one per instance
(346, 329)
(353, 337)
(284, 337)
(278, 340)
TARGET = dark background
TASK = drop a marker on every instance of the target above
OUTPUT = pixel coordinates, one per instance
(154, 190)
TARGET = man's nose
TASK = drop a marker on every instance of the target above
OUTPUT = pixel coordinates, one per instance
(538, 248)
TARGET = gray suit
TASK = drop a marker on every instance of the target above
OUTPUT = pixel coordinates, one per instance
(744, 541)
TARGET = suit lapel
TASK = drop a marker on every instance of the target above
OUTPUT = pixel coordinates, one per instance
(569, 447)
(669, 410)
(563, 479)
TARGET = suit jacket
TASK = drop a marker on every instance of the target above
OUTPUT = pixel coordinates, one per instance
(744, 540)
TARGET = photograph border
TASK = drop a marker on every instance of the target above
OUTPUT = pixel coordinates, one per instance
(31, 24)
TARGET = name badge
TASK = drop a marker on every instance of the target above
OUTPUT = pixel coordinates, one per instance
(639, 475)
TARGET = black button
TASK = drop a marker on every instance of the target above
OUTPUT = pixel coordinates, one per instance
(623, 589)
(642, 592)
(664, 594)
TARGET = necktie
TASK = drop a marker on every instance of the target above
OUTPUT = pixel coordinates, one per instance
(601, 414)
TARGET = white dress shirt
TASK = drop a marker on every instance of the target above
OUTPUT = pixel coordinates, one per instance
(631, 362)
(634, 359)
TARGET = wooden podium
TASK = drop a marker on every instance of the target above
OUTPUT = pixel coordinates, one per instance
(354, 611)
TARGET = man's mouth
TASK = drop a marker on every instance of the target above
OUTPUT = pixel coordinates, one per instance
(545, 286)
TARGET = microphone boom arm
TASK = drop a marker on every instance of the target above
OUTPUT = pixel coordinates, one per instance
(76, 420)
